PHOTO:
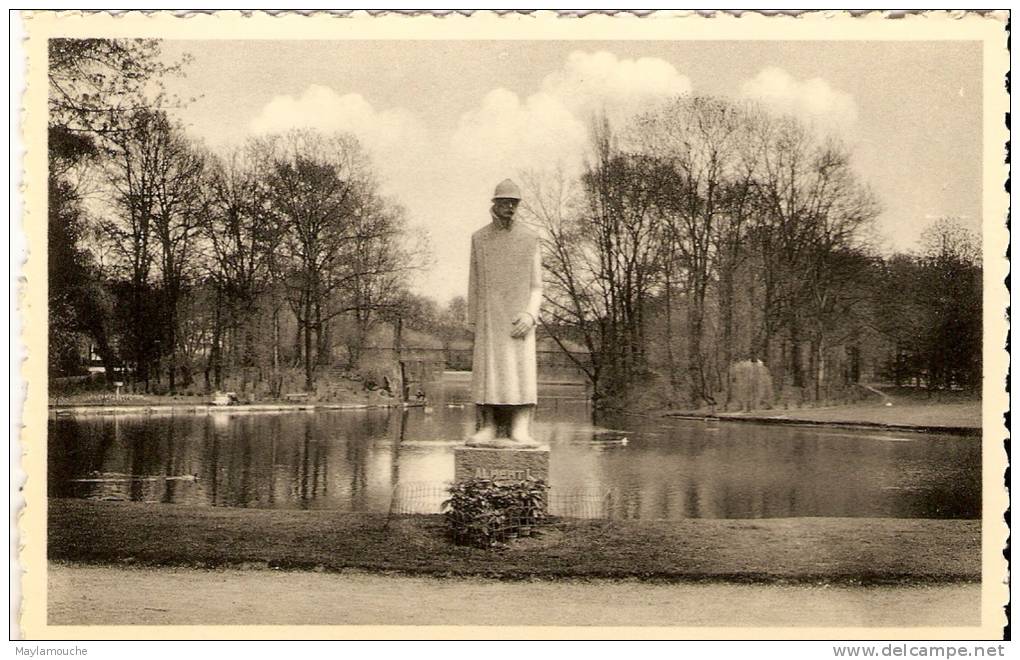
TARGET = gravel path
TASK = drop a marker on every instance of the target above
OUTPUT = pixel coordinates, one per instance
(85, 594)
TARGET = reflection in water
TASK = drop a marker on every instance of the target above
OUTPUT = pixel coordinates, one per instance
(647, 468)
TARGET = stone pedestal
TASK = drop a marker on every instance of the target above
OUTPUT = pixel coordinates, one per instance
(500, 464)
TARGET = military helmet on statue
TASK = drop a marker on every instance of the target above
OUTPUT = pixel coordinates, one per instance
(507, 189)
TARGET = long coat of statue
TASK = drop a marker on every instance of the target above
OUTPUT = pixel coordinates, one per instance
(505, 280)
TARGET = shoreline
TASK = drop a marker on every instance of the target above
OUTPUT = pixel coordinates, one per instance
(59, 410)
(968, 431)
(197, 408)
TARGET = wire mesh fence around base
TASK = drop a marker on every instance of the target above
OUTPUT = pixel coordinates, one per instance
(427, 497)
(585, 503)
(418, 497)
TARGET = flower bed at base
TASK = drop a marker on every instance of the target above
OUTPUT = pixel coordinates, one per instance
(485, 513)
(827, 550)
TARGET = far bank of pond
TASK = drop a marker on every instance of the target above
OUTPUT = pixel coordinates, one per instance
(957, 415)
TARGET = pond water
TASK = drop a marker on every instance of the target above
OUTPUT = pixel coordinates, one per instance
(628, 466)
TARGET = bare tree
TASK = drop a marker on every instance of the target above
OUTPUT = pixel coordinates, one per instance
(603, 257)
(377, 266)
(314, 183)
(179, 209)
(950, 296)
(155, 176)
(342, 247)
(812, 210)
(130, 233)
(242, 234)
(696, 142)
(573, 308)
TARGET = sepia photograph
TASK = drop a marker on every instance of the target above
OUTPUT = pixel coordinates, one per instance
(605, 326)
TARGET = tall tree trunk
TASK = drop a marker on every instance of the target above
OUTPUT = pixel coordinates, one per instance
(277, 384)
(297, 358)
(694, 325)
(324, 354)
(696, 366)
(821, 388)
(94, 320)
(218, 344)
(171, 340)
(855, 364)
(674, 373)
(309, 358)
(398, 350)
(141, 359)
(727, 305)
(212, 364)
(796, 360)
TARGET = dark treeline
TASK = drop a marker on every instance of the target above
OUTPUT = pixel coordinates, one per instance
(184, 268)
(706, 234)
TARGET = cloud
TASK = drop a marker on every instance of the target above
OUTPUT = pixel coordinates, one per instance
(394, 138)
(506, 133)
(589, 82)
(324, 109)
(549, 128)
(814, 100)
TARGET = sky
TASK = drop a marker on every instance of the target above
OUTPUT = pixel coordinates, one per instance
(445, 121)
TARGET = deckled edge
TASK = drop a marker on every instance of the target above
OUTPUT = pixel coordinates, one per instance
(19, 328)
(33, 264)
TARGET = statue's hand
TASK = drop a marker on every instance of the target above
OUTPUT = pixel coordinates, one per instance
(523, 323)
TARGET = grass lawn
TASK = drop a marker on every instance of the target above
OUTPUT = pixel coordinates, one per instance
(891, 407)
(796, 550)
(963, 414)
(954, 417)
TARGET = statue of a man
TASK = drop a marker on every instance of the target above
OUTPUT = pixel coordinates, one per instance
(504, 297)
